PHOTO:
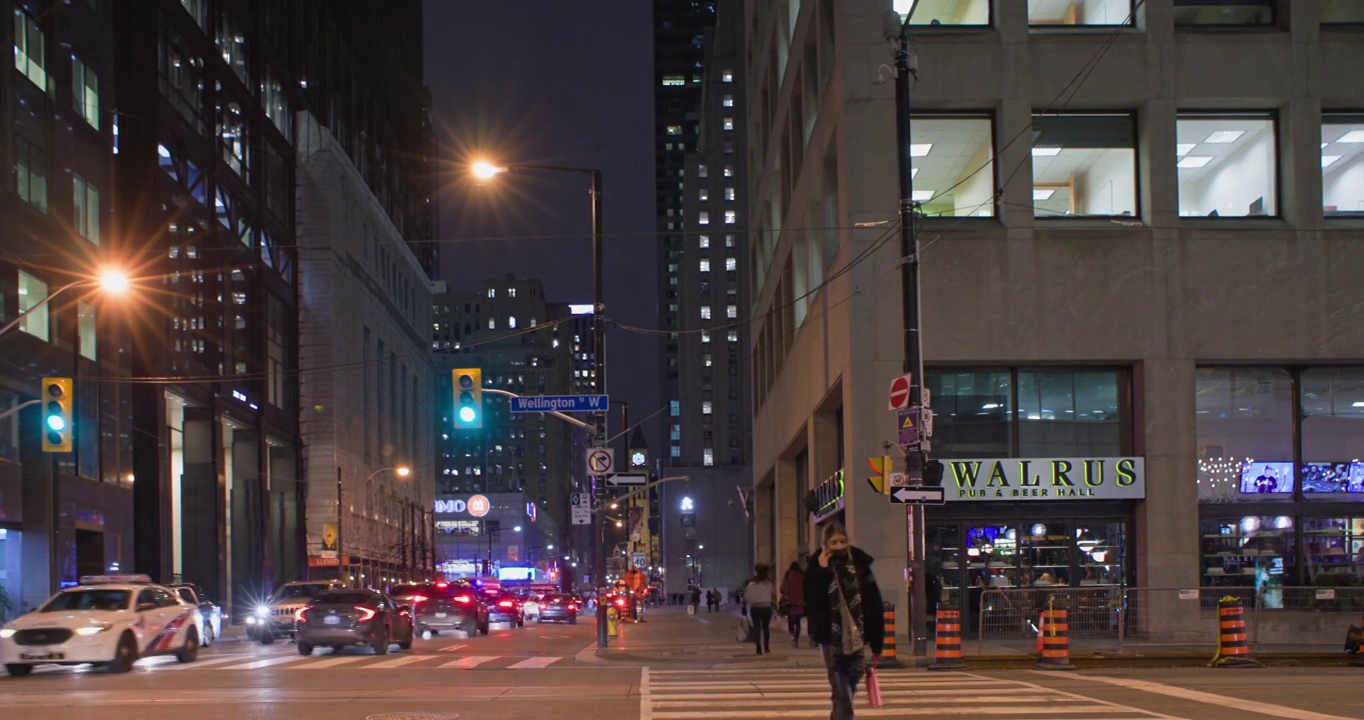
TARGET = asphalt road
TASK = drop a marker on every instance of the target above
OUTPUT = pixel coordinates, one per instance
(553, 671)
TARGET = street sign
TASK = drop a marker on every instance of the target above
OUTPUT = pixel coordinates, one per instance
(638, 559)
(899, 479)
(560, 403)
(926, 422)
(907, 427)
(899, 392)
(627, 480)
(582, 508)
(918, 496)
(601, 461)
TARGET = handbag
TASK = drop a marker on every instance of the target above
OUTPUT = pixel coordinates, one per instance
(873, 686)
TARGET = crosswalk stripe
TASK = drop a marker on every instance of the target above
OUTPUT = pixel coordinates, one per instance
(268, 662)
(749, 712)
(472, 661)
(401, 661)
(202, 662)
(535, 662)
(328, 662)
(453, 648)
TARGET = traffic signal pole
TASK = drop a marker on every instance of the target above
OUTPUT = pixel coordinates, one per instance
(911, 314)
(599, 368)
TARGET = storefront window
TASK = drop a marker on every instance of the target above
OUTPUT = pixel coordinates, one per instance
(944, 563)
(1244, 420)
(1064, 413)
(972, 412)
(1044, 555)
(1253, 550)
(1332, 433)
(1333, 550)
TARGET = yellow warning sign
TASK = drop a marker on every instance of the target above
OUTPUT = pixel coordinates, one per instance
(907, 422)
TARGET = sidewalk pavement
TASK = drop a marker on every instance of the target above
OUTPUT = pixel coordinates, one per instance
(670, 637)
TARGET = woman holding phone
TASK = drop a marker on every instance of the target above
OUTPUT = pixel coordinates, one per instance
(844, 614)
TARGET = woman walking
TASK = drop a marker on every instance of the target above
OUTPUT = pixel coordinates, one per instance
(759, 594)
(793, 597)
(843, 608)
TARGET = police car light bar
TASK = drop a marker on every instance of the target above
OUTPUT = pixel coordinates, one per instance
(116, 579)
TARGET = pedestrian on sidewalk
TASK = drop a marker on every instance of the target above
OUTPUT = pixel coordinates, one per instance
(844, 614)
(696, 599)
(792, 603)
(759, 594)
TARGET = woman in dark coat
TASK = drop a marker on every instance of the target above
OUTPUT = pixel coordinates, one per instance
(844, 613)
(793, 597)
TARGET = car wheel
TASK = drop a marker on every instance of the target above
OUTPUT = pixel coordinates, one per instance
(483, 629)
(573, 621)
(267, 637)
(406, 644)
(189, 652)
(381, 647)
(209, 635)
(125, 654)
(18, 670)
(305, 648)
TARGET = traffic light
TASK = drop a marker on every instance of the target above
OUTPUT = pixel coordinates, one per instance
(883, 467)
(468, 398)
(57, 421)
(933, 471)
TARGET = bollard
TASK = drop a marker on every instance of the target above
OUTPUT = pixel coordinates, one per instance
(888, 658)
(1233, 645)
(947, 640)
(1055, 638)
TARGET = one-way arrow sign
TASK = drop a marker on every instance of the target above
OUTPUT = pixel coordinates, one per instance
(919, 495)
(625, 480)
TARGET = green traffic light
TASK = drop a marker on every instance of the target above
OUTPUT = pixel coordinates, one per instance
(56, 423)
(466, 414)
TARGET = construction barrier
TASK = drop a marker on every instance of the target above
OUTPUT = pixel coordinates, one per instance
(1233, 645)
(888, 658)
(1055, 629)
(947, 640)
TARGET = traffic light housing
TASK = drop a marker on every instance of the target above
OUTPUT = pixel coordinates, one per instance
(883, 466)
(57, 420)
(468, 385)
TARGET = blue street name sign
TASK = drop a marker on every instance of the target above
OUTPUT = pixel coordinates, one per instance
(560, 403)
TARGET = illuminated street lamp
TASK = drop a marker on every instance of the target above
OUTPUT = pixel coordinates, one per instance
(112, 281)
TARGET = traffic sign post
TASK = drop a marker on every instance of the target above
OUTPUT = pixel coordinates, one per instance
(899, 392)
(907, 428)
(919, 495)
(601, 461)
(581, 504)
(560, 403)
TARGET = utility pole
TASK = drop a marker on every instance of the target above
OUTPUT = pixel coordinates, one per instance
(897, 31)
(340, 550)
(599, 383)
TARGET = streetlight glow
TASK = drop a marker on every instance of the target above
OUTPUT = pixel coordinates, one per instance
(403, 470)
(114, 281)
(484, 170)
(516, 529)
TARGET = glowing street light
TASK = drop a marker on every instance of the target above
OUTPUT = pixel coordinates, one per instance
(111, 281)
(484, 170)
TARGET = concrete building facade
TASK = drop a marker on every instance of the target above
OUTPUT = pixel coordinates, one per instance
(1141, 342)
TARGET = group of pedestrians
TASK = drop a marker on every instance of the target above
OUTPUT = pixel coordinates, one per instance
(836, 594)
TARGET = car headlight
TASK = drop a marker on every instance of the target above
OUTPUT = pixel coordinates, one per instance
(93, 629)
(6, 633)
(262, 611)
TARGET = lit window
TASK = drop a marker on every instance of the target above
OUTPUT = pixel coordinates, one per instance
(675, 408)
(704, 242)
(675, 451)
(32, 291)
(1222, 12)
(951, 165)
(945, 12)
(729, 193)
(705, 336)
(732, 312)
(85, 209)
(1227, 165)
(731, 217)
(674, 80)
(85, 326)
(706, 360)
(706, 407)
(703, 218)
(703, 194)
(674, 129)
(511, 322)
(731, 264)
(708, 457)
(1342, 165)
(1084, 165)
(85, 92)
(705, 312)
(492, 292)
(30, 48)
(727, 76)
(30, 173)
(729, 123)
(1089, 12)
(703, 265)
(733, 336)
(492, 323)
(729, 241)
(729, 171)
(728, 101)
(511, 292)
(702, 171)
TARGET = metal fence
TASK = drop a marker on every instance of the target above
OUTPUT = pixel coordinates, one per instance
(1117, 619)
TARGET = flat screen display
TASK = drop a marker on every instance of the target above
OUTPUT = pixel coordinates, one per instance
(1267, 477)
(1333, 477)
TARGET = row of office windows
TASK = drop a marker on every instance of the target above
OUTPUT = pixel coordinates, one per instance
(1086, 165)
(1119, 13)
(38, 322)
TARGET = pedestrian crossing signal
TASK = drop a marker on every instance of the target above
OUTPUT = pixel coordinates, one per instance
(468, 386)
(57, 420)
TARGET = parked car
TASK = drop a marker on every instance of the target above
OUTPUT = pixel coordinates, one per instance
(274, 618)
(341, 618)
(212, 614)
(558, 608)
(445, 606)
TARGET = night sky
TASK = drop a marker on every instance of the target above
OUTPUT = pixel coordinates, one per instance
(548, 82)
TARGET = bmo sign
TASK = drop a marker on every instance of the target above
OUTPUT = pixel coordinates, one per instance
(476, 505)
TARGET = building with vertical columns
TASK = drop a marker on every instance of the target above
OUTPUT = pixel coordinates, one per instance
(1141, 342)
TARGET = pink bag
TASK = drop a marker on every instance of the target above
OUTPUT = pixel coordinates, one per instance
(873, 687)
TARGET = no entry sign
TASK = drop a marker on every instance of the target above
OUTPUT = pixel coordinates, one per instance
(899, 393)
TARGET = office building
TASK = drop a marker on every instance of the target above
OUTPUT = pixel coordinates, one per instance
(502, 535)
(1137, 322)
(705, 304)
(58, 140)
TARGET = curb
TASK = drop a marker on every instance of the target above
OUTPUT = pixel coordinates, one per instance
(1014, 662)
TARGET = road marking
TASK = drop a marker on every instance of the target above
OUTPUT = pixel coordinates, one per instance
(196, 664)
(473, 661)
(401, 661)
(534, 663)
(268, 662)
(646, 700)
(1279, 711)
(453, 648)
(328, 662)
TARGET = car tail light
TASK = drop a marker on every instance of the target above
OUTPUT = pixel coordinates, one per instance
(505, 603)
(418, 599)
(365, 613)
(442, 584)
(620, 602)
(464, 599)
(301, 615)
(571, 606)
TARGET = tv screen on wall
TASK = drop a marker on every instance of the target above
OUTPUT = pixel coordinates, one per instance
(1347, 477)
(1267, 477)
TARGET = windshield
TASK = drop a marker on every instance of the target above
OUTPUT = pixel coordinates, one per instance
(299, 591)
(187, 595)
(88, 600)
(345, 598)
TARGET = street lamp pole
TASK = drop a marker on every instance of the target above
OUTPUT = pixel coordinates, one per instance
(401, 470)
(112, 281)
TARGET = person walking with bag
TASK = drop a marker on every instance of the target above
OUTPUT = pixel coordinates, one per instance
(792, 603)
(759, 594)
(843, 609)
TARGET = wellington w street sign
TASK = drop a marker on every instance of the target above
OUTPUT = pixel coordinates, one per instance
(918, 495)
(560, 403)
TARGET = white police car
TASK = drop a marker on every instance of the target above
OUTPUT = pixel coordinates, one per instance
(111, 620)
